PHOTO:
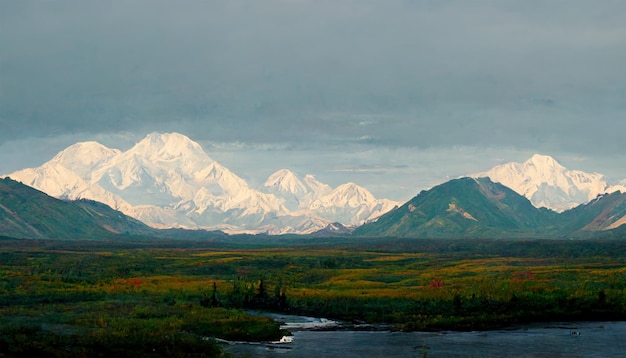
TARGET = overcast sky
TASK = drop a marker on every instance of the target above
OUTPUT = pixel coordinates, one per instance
(396, 96)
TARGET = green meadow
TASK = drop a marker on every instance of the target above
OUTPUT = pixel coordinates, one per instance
(86, 298)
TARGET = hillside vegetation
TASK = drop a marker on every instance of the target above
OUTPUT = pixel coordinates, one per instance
(28, 213)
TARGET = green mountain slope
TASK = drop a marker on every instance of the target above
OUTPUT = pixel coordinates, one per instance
(463, 207)
(28, 213)
(605, 212)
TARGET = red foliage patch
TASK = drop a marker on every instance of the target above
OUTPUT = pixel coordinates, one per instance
(522, 276)
(436, 283)
(134, 281)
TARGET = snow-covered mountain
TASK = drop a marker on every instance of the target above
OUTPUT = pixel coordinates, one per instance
(67, 175)
(298, 193)
(167, 180)
(546, 183)
(352, 204)
(348, 204)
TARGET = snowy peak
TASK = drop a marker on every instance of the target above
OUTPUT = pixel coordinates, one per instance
(316, 186)
(544, 167)
(58, 181)
(547, 183)
(90, 149)
(350, 194)
(52, 178)
(218, 174)
(537, 168)
(172, 149)
(351, 204)
(348, 204)
(167, 146)
(298, 194)
(83, 157)
(544, 162)
(158, 169)
(285, 181)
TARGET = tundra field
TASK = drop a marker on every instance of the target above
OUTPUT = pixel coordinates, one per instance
(84, 297)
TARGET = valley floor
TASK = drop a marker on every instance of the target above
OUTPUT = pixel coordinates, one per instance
(82, 297)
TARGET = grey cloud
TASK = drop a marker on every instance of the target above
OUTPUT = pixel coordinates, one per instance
(431, 73)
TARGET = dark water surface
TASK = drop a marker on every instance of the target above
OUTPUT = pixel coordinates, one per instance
(585, 339)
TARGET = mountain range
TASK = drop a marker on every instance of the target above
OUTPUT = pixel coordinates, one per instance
(465, 207)
(479, 207)
(547, 183)
(167, 180)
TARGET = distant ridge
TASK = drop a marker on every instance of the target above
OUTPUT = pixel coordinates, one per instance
(168, 181)
(547, 183)
(333, 229)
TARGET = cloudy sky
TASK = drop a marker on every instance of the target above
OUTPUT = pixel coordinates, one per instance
(395, 95)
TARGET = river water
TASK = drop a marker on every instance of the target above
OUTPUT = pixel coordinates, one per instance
(314, 337)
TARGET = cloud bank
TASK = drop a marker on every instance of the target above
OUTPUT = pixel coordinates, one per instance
(358, 75)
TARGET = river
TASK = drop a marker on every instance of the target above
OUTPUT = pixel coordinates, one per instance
(321, 338)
